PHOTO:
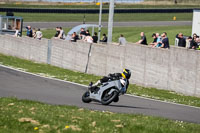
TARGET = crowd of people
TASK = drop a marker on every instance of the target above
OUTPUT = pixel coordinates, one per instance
(33, 33)
(86, 36)
(162, 41)
(159, 41)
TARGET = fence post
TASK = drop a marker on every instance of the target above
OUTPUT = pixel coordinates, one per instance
(49, 52)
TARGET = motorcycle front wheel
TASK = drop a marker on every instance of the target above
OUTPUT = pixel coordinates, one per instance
(86, 97)
(107, 99)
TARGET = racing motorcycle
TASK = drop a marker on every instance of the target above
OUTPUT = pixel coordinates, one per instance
(105, 93)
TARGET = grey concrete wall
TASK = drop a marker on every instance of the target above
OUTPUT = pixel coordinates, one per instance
(25, 48)
(176, 69)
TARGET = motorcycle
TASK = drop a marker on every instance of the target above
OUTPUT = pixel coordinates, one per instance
(106, 93)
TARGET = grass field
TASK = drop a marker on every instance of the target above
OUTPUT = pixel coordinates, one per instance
(147, 4)
(132, 34)
(22, 116)
(66, 17)
(82, 78)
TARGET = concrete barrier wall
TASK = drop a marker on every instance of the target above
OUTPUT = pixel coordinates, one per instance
(25, 48)
(176, 69)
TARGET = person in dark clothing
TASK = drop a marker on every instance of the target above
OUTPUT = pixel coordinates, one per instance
(193, 42)
(57, 32)
(154, 40)
(143, 39)
(95, 38)
(165, 40)
(87, 33)
(74, 37)
(182, 41)
(82, 33)
(104, 38)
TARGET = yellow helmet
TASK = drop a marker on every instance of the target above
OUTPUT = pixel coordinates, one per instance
(126, 73)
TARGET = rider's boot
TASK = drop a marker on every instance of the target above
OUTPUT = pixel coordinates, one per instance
(93, 87)
(97, 83)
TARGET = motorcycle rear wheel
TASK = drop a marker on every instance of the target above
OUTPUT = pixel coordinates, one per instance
(106, 101)
(86, 97)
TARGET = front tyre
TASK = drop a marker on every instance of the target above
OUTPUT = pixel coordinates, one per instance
(86, 97)
(107, 99)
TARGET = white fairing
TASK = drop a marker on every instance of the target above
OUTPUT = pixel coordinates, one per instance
(117, 85)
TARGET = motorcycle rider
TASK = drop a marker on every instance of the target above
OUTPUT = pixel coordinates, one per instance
(123, 77)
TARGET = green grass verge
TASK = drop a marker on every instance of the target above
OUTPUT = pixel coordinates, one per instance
(105, 5)
(82, 78)
(132, 34)
(22, 116)
(123, 17)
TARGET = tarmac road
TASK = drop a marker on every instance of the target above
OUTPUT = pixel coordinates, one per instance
(50, 25)
(27, 86)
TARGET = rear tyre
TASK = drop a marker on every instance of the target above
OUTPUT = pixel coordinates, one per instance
(86, 97)
(107, 99)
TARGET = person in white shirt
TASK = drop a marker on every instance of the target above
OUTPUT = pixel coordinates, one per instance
(39, 34)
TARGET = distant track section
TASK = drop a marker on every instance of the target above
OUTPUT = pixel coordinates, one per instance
(29, 10)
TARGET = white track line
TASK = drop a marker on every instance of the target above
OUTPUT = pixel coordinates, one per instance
(9, 67)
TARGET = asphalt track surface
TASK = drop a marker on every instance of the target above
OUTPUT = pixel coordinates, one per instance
(27, 86)
(50, 25)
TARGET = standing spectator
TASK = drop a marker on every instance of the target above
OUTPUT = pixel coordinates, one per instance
(39, 34)
(158, 42)
(74, 37)
(165, 40)
(193, 43)
(88, 39)
(17, 33)
(154, 40)
(82, 33)
(122, 40)
(29, 31)
(182, 41)
(87, 33)
(95, 38)
(143, 39)
(104, 38)
(34, 33)
(57, 33)
(61, 34)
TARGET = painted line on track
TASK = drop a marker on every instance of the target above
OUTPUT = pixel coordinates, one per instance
(16, 69)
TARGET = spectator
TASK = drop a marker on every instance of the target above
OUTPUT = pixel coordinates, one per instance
(61, 34)
(88, 39)
(39, 34)
(159, 41)
(122, 40)
(87, 33)
(165, 40)
(104, 38)
(17, 33)
(82, 33)
(57, 33)
(95, 38)
(193, 42)
(154, 40)
(182, 41)
(143, 39)
(74, 37)
(34, 33)
(29, 31)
